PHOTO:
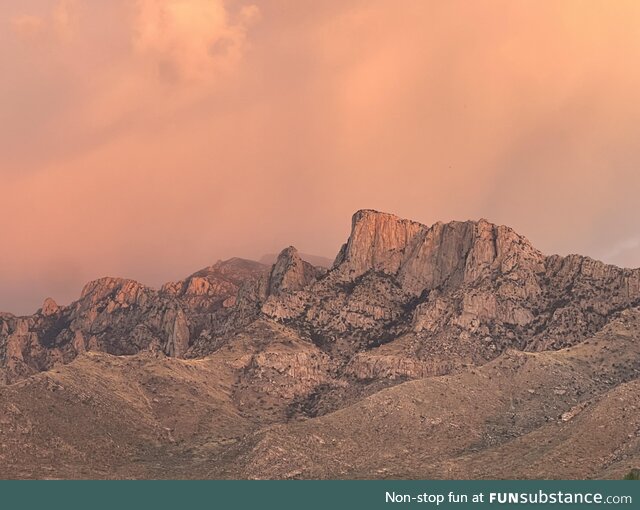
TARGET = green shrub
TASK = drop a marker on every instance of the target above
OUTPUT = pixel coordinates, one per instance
(634, 474)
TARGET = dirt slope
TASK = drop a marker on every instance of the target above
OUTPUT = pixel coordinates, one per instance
(570, 413)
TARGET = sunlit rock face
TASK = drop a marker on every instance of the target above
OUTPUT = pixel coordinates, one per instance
(427, 299)
(291, 273)
(402, 299)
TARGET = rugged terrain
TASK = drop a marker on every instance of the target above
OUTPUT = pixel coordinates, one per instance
(453, 350)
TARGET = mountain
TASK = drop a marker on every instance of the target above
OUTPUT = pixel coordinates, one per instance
(572, 413)
(460, 336)
(123, 317)
(316, 260)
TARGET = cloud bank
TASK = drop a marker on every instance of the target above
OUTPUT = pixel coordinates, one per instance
(150, 138)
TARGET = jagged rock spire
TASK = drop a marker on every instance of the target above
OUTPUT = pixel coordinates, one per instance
(49, 307)
(290, 272)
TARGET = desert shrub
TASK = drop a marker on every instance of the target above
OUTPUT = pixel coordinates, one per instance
(634, 474)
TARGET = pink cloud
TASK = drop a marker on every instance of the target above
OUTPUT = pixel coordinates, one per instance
(148, 139)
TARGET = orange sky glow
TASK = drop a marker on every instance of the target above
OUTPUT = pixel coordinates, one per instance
(149, 138)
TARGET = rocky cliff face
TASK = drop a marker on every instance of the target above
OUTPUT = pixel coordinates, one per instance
(289, 370)
(402, 299)
(290, 273)
(123, 317)
(405, 299)
(378, 241)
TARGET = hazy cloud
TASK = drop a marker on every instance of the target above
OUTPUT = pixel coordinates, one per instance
(150, 138)
(55, 25)
(191, 40)
(623, 251)
(27, 26)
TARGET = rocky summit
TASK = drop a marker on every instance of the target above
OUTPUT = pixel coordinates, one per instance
(424, 351)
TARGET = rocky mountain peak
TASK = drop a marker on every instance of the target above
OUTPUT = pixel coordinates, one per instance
(290, 272)
(424, 257)
(377, 241)
(316, 260)
(123, 290)
(237, 265)
(215, 286)
(49, 307)
(403, 299)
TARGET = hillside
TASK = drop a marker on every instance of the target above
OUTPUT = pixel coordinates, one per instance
(423, 352)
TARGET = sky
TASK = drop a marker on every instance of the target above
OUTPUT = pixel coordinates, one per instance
(150, 138)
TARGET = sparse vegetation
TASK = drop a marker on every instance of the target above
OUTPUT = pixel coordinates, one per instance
(261, 380)
(634, 474)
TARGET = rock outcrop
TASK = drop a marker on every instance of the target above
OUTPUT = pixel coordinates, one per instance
(402, 299)
(315, 260)
(49, 307)
(123, 317)
(248, 370)
(463, 292)
(290, 273)
(378, 242)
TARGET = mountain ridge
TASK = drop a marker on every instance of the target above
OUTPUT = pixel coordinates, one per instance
(247, 370)
(392, 278)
